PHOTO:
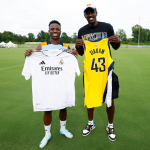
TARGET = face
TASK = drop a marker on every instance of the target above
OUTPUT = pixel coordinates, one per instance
(54, 31)
(90, 14)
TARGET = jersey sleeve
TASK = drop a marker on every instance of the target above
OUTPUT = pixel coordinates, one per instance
(65, 45)
(26, 72)
(43, 44)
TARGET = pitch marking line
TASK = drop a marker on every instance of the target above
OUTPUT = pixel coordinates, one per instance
(10, 67)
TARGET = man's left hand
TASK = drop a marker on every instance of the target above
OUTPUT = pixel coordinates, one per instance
(75, 52)
(114, 39)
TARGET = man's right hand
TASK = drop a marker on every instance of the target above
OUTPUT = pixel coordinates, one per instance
(79, 43)
(28, 52)
(79, 46)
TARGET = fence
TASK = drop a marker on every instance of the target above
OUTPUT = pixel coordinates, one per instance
(135, 46)
(73, 46)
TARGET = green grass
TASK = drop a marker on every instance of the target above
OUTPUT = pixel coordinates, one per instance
(23, 129)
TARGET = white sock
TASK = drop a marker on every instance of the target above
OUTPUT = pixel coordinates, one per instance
(62, 125)
(110, 124)
(91, 122)
(47, 129)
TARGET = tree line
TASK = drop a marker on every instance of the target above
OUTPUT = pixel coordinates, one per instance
(138, 33)
(42, 36)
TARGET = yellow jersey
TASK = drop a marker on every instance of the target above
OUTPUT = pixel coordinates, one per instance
(98, 66)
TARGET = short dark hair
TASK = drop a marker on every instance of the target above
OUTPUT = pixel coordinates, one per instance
(54, 21)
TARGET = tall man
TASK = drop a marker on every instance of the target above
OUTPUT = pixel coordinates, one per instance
(96, 30)
(54, 31)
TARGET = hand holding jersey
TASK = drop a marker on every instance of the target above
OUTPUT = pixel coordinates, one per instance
(29, 52)
(115, 41)
(79, 42)
(74, 52)
(79, 46)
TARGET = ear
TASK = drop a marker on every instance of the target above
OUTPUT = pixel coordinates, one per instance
(96, 13)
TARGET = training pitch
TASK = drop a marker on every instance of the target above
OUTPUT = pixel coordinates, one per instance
(23, 129)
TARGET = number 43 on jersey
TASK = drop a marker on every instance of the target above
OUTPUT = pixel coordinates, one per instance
(95, 67)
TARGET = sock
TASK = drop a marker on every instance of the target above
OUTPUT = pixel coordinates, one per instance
(62, 125)
(47, 129)
(91, 122)
(110, 124)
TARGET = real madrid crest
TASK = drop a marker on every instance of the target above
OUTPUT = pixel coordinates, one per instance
(61, 62)
(96, 44)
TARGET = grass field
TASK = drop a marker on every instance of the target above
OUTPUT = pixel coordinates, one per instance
(23, 129)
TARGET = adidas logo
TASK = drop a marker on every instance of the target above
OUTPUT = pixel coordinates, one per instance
(41, 63)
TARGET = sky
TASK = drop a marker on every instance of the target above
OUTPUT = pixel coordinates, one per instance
(32, 16)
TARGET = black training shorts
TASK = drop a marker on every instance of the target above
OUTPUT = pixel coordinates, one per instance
(115, 86)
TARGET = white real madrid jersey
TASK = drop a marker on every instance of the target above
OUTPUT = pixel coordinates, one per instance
(53, 78)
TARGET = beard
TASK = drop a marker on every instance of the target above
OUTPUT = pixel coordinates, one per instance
(92, 22)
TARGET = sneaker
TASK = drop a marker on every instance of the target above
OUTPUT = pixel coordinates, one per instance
(111, 133)
(66, 133)
(45, 140)
(88, 129)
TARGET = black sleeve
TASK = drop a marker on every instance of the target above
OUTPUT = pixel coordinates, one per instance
(111, 31)
(79, 37)
(79, 34)
(111, 34)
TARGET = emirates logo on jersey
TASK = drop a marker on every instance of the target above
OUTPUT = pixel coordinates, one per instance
(51, 70)
(61, 62)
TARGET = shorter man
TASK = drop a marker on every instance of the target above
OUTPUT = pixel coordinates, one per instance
(54, 31)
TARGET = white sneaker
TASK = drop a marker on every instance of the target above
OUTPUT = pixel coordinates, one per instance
(45, 140)
(111, 133)
(89, 127)
(66, 133)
